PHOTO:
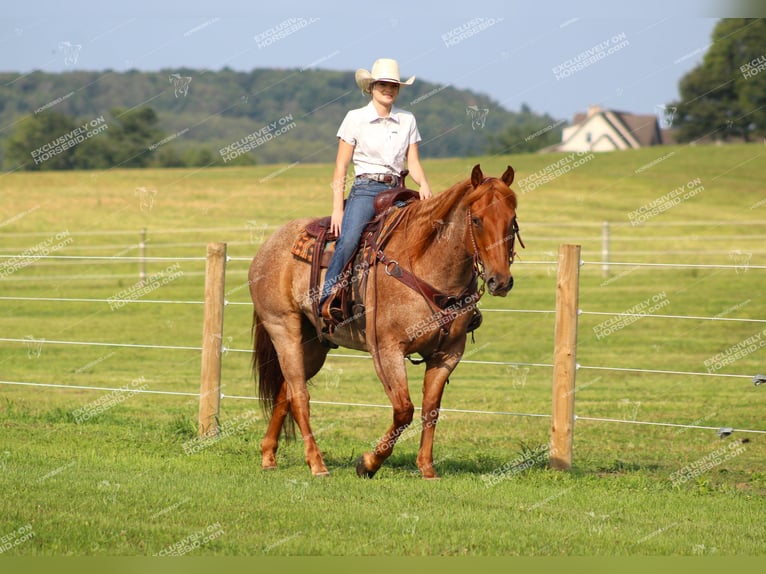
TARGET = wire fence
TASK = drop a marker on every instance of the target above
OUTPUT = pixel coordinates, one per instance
(89, 259)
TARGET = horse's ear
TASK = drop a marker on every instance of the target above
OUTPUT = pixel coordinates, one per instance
(508, 176)
(476, 176)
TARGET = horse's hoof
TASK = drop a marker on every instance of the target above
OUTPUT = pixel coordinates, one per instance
(318, 469)
(268, 461)
(361, 469)
(427, 472)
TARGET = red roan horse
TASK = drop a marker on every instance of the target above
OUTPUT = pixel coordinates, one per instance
(446, 241)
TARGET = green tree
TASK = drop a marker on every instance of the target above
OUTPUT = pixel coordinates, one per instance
(134, 137)
(51, 140)
(202, 157)
(130, 140)
(725, 96)
(527, 132)
(167, 156)
(33, 145)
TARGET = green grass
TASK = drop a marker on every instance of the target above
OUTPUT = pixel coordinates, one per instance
(121, 482)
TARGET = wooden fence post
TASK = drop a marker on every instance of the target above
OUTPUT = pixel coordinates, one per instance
(565, 357)
(212, 339)
(142, 257)
(605, 249)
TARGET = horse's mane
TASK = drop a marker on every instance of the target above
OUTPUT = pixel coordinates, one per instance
(425, 218)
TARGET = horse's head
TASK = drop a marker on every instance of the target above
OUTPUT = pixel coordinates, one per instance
(492, 228)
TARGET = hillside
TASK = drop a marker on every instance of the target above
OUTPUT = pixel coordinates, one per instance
(209, 110)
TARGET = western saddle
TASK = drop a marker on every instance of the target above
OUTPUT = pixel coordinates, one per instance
(314, 245)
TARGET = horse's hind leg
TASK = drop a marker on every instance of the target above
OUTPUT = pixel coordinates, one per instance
(271, 440)
(314, 355)
(293, 359)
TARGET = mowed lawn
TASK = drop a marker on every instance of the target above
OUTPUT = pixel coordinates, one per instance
(118, 472)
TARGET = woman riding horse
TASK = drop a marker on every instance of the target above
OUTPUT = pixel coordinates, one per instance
(379, 138)
(429, 315)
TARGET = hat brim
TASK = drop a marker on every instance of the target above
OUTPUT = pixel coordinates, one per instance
(364, 80)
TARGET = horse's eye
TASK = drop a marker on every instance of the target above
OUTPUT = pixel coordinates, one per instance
(476, 221)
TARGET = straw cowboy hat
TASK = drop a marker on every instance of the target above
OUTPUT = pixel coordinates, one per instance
(383, 70)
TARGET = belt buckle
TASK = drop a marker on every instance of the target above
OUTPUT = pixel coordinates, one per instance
(387, 178)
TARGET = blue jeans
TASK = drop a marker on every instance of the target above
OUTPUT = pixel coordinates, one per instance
(359, 210)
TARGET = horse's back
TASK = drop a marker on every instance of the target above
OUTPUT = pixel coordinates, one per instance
(275, 273)
(280, 241)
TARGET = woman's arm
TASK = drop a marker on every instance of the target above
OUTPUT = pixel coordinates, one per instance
(342, 161)
(416, 171)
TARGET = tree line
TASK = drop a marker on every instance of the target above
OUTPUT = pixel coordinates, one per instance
(196, 118)
(186, 117)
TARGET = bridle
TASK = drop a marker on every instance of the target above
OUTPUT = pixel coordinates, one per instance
(515, 232)
(478, 264)
(444, 305)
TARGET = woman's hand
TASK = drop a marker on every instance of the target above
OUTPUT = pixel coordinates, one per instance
(417, 173)
(336, 220)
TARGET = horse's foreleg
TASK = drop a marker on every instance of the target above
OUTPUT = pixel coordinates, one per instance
(394, 379)
(438, 369)
(270, 442)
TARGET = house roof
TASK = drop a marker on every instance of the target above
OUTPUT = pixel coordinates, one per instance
(643, 128)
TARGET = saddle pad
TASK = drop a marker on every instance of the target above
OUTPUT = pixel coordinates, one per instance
(305, 241)
(303, 247)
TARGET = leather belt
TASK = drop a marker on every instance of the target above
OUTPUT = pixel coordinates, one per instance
(380, 177)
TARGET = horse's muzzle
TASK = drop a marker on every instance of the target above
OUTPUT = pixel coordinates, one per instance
(498, 288)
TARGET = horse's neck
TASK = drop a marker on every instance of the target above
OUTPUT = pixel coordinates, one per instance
(447, 262)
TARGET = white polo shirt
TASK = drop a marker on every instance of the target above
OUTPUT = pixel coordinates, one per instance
(380, 144)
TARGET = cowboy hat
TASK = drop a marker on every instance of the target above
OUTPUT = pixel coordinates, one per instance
(383, 70)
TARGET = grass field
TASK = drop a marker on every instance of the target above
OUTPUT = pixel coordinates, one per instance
(97, 472)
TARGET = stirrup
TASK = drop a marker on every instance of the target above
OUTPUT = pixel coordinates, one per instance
(329, 315)
(326, 326)
(475, 322)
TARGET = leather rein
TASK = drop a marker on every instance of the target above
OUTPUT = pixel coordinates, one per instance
(448, 307)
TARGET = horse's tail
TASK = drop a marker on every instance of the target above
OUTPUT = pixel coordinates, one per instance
(270, 376)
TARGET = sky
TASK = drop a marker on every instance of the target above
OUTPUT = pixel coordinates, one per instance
(557, 57)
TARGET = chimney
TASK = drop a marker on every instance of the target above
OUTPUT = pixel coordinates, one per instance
(594, 109)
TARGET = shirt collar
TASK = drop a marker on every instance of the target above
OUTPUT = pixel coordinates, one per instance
(371, 114)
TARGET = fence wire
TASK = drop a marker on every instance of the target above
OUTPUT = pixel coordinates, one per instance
(92, 258)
